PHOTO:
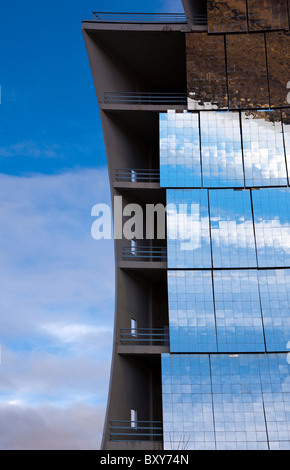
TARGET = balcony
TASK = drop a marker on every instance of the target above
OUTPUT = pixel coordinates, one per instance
(153, 18)
(137, 179)
(152, 101)
(145, 253)
(115, 17)
(179, 18)
(145, 336)
(149, 98)
(139, 431)
(144, 341)
(137, 176)
(146, 259)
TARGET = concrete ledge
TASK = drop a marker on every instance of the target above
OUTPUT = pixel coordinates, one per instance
(91, 25)
(137, 445)
(128, 349)
(130, 185)
(142, 107)
(143, 264)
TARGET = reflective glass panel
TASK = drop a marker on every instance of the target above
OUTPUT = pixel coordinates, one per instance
(278, 58)
(191, 312)
(226, 16)
(226, 402)
(267, 14)
(272, 226)
(286, 131)
(264, 155)
(275, 300)
(188, 237)
(238, 311)
(232, 233)
(206, 71)
(238, 403)
(221, 147)
(247, 71)
(187, 403)
(275, 378)
(179, 150)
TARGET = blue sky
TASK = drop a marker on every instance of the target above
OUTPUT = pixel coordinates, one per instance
(57, 293)
(49, 122)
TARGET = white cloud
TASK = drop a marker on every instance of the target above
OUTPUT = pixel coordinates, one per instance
(56, 310)
(50, 267)
(72, 333)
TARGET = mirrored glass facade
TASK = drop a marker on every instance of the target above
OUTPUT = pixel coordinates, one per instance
(278, 59)
(188, 232)
(226, 402)
(267, 14)
(272, 226)
(228, 229)
(246, 15)
(221, 149)
(247, 71)
(188, 419)
(180, 164)
(206, 72)
(264, 155)
(191, 311)
(238, 311)
(286, 132)
(274, 286)
(226, 16)
(217, 149)
(226, 379)
(232, 231)
(229, 311)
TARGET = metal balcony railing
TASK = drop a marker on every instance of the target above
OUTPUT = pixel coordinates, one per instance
(145, 98)
(139, 431)
(137, 176)
(145, 336)
(115, 17)
(144, 253)
(199, 20)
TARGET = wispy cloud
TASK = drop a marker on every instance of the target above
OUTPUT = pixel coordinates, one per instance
(29, 148)
(75, 332)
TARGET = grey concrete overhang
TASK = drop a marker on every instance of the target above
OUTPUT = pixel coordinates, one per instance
(147, 265)
(157, 108)
(137, 349)
(132, 186)
(134, 445)
(91, 25)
